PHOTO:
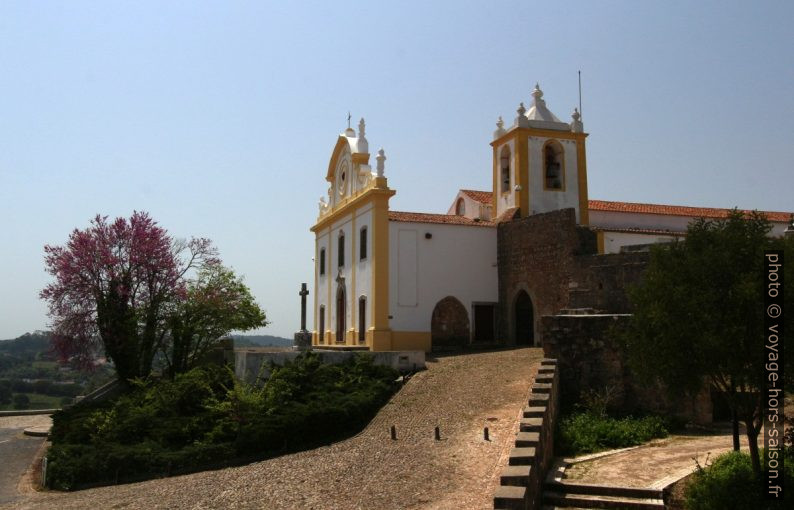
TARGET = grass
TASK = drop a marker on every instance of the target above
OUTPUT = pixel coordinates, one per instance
(588, 432)
(37, 401)
(45, 364)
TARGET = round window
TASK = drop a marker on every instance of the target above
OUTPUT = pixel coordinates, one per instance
(342, 179)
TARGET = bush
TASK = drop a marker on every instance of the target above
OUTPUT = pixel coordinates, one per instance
(730, 484)
(206, 418)
(21, 401)
(588, 432)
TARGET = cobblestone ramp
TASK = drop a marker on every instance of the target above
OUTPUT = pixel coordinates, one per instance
(460, 394)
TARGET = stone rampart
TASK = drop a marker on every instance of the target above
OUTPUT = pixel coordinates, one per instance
(521, 482)
(589, 359)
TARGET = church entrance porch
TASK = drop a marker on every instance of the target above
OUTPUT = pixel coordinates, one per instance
(524, 317)
(449, 325)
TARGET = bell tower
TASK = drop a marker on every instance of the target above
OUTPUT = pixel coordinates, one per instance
(539, 162)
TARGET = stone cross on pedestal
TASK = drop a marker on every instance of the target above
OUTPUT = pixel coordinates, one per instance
(302, 339)
(303, 293)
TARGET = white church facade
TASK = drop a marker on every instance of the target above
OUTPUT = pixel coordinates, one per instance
(390, 280)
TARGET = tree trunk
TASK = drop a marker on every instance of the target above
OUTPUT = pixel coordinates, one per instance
(734, 417)
(735, 424)
(752, 439)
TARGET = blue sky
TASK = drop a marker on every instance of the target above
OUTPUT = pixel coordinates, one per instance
(218, 118)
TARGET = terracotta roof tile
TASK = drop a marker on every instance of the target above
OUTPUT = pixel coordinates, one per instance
(675, 210)
(447, 219)
(484, 197)
(632, 207)
(507, 215)
(630, 230)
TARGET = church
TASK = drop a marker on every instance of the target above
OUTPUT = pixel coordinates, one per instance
(486, 271)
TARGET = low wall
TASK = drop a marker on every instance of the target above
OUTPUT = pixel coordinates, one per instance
(590, 360)
(27, 412)
(253, 363)
(521, 483)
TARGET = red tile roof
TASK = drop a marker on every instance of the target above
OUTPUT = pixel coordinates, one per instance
(676, 210)
(448, 219)
(632, 207)
(630, 230)
(484, 197)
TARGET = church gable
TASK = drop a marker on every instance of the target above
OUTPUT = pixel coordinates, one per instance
(349, 172)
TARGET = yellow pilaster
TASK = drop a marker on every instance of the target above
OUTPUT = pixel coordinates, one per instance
(522, 173)
(353, 299)
(495, 188)
(329, 284)
(581, 164)
(315, 328)
(379, 300)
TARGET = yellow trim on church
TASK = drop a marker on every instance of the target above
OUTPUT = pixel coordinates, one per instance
(581, 163)
(380, 338)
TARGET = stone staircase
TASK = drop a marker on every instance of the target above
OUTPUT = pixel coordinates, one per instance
(558, 494)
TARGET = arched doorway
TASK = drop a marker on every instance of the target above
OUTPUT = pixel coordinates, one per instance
(341, 312)
(524, 317)
(449, 325)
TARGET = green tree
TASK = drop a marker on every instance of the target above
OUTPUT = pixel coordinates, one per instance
(21, 401)
(699, 315)
(129, 288)
(5, 392)
(217, 302)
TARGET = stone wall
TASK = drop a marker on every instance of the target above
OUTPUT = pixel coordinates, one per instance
(576, 295)
(537, 254)
(590, 360)
(521, 482)
(601, 282)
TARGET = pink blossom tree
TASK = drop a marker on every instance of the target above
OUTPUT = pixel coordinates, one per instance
(116, 284)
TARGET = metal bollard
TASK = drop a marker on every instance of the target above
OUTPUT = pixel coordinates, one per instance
(438, 434)
(485, 434)
(393, 433)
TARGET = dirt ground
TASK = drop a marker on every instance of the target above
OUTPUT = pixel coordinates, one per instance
(654, 465)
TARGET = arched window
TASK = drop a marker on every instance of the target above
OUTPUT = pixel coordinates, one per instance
(362, 252)
(362, 319)
(341, 314)
(460, 207)
(321, 332)
(341, 250)
(554, 166)
(322, 261)
(504, 165)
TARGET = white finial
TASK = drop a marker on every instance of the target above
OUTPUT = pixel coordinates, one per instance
(381, 157)
(537, 94)
(521, 119)
(500, 128)
(576, 124)
(362, 145)
(348, 119)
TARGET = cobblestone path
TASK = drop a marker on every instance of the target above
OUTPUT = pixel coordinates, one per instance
(461, 394)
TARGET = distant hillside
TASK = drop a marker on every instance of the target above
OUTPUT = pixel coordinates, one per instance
(25, 349)
(261, 341)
